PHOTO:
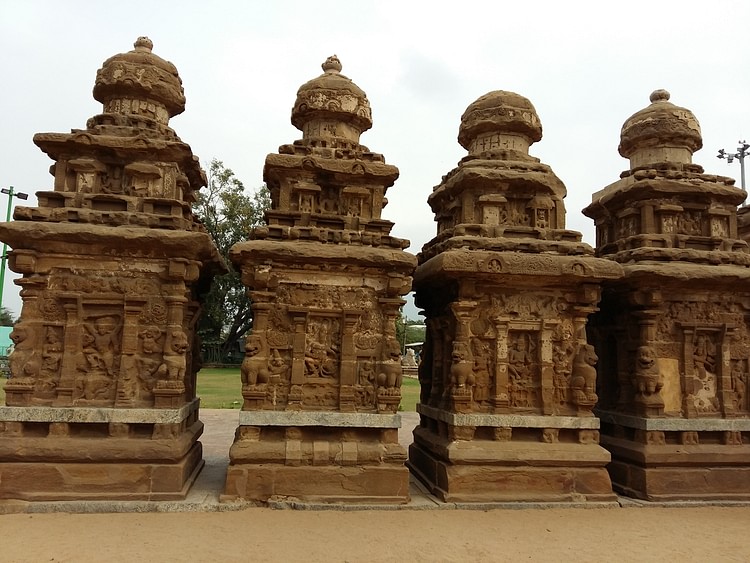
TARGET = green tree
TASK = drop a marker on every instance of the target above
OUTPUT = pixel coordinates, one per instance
(6, 317)
(409, 331)
(228, 213)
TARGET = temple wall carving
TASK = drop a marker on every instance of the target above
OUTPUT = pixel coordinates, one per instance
(321, 376)
(113, 264)
(672, 334)
(507, 368)
(551, 371)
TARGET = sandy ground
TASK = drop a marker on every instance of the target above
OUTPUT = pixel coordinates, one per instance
(261, 534)
(258, 534)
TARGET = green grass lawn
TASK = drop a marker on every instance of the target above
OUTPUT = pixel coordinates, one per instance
(409, 394)
(220, 388)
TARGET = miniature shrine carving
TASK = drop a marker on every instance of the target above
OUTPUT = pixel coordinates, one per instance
(112, 262)
(673, 333)
(537, 347)
(321, 377)
(506, 290)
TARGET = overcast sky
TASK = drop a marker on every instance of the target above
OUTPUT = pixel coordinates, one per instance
(585, 65)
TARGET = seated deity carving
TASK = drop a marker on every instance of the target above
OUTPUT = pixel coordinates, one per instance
(519, 358)
(277, 367)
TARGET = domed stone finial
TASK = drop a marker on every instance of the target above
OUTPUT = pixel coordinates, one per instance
(500, 120)
(332, 65)
(659, 96)
(661, 132)
(140, 83)
(331, 109)
(143, 44)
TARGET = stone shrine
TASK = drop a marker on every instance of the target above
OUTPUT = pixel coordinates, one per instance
(101, 403)
(322, 374)
(508, 378)
(673, 335)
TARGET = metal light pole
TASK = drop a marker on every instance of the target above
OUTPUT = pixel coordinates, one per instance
(9, 191)
(742, 152)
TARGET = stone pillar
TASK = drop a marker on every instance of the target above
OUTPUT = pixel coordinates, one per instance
(679, 317)
(506, 295)
(322, 370)
(102, 401)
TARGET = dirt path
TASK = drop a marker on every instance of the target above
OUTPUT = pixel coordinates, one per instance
(621, 534)
(258, 534)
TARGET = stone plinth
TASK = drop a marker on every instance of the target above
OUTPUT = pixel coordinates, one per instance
(323, 457)
(507, 374)
(321, 378)
(101, 403)
(672, 335)
(69, 453)
(486, 457)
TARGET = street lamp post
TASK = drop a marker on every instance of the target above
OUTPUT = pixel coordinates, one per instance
(742, 152)
(10, 193)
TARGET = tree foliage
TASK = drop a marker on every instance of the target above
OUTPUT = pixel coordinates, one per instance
(228, 213)
(409, 331)
(6, 317)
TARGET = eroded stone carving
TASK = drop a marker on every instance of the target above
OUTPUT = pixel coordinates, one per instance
(673, 335)
(506, 290)
(326, 280)
(112, 260)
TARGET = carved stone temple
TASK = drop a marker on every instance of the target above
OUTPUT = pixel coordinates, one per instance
(322, 374)
(508, 377)
(101, 403)
(673, 335)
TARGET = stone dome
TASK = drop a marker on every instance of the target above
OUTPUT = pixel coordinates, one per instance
(661, 132)
(499, 120)
(331, 106)
(139, 82)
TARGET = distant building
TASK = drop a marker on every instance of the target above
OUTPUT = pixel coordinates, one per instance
(5, 341)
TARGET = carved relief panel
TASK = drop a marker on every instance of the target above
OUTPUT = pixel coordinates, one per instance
(85, 175)
(322, 348)
(702, 371)
(523, 351)
(102, 339)
(628, 224)
(691, 359)
(524, 369)
(99, 363)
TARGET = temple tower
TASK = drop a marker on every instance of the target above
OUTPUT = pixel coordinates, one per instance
(673, 335)
(321, 376)
(102, 403)
(508, 378)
